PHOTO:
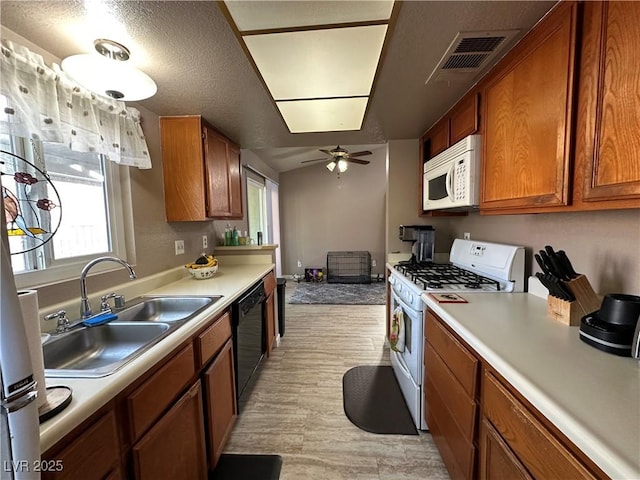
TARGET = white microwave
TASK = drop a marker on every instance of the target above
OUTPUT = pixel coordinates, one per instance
(452, 178)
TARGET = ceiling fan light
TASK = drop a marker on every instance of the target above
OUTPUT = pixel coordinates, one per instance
(342, 166)
(331, 166)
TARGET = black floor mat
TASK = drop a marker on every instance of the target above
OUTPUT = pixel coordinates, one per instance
(247, 467)
(373, 401)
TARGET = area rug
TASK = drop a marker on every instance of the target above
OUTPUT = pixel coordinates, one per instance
(340, 293)
(247, 467)
(373, 401)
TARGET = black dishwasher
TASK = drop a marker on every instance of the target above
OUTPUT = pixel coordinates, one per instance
(248, 343)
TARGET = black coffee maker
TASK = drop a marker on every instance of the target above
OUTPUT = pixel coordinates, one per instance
(612, 328)
(423, 238)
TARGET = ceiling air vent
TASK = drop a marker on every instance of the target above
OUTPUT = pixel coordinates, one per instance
(469, 53)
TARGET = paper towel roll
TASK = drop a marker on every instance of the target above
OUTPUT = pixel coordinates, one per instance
(29, 306)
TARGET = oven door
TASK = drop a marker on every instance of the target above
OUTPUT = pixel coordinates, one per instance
(407, 365)
(410, 360)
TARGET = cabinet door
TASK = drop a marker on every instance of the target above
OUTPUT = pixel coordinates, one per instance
(608, 143)
(183, 168)
(222, 160)
(497, 461)
(93, 455)
(270, 321)
(527, 118)
(437, 140)
(220, 402)
(463, 119)
(175, 447)
(235, 181)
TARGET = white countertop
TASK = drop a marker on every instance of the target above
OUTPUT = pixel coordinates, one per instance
(92, 393)
(591, 396)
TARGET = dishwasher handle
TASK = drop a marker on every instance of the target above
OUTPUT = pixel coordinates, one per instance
(251, 299)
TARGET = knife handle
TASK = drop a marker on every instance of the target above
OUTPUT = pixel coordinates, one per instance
(543, 267)
(551, 270)
(567, 263)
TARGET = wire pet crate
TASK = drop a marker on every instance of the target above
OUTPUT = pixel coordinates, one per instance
(349, 267)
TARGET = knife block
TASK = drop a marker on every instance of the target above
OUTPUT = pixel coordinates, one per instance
(586, 297)
(565, 312)
(570, 313)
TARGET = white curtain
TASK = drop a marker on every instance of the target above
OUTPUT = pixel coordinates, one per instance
(45, 104)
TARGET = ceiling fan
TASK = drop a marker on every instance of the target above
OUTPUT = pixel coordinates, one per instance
(340, 158)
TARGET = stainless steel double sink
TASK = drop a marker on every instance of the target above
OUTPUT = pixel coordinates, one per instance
(92, 352)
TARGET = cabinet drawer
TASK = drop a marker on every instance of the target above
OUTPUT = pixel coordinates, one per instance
(93, 455)
(209, 342)
(155, 395)
(463, 365)
(540, 452)
(462, 408)
(269, 283)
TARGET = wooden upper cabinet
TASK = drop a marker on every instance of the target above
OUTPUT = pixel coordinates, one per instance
(463, 118)
(202, 175)
(608, 124)
(437, 140)
(527, 118)
(222, 158)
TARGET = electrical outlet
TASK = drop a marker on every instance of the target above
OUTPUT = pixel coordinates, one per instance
(205, 241)
(466, 236)
(373, 263)
(179, 247)
(299, 263)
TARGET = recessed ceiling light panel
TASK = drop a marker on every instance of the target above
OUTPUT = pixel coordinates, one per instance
(324, 115)
(338, 62)
(250, 16)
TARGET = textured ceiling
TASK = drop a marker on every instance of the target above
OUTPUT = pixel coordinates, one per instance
(189, 49)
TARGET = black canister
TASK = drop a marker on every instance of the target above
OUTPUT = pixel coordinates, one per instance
(259, 238)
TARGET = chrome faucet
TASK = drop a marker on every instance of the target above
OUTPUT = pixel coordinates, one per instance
(85, 306)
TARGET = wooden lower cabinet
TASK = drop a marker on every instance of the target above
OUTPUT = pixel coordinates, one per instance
(270, 311)
(497, 460)
(482, 427)
(451, 407)
(534, 446)
(94, 454)
(219, 401)
(174, 448)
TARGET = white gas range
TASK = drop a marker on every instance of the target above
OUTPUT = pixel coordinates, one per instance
(474, 267)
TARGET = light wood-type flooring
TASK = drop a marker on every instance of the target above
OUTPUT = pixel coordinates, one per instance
(295, 406)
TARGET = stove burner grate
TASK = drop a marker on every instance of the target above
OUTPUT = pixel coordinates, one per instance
(430, 276)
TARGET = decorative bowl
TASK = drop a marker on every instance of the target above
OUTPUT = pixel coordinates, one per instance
(203, 273)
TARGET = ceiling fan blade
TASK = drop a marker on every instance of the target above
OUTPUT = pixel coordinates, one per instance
(316, 160)
(360, 154)
(357, 160)
(325, 151)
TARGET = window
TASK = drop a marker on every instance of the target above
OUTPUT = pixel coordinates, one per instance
(256, 208)
(89, 220)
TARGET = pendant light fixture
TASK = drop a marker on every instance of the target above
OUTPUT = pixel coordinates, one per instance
(108, 73)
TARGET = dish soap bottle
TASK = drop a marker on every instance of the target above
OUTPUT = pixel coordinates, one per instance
(227, 235)
(234, 237)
